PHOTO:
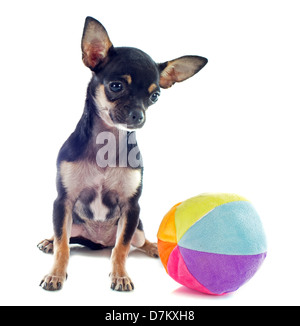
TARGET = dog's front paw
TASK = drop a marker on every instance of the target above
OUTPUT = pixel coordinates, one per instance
(53, 282)
(121, 283)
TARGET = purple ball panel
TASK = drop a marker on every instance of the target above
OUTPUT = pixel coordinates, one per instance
(221, 273)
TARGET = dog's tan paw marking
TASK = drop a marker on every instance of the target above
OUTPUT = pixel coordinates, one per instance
(46, 246)
(121, 283)
(52, 282)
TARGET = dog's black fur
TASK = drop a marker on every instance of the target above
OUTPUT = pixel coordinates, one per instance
(97, 203)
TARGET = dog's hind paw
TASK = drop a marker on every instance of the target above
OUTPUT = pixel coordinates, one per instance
(150, 248)
(46, 246)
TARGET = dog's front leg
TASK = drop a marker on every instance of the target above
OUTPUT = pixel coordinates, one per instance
(62, 217)
(120, 280)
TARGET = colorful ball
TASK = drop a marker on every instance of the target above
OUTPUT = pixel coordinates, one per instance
(212, 243)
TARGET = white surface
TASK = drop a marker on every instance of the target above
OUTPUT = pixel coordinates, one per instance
(232, 128)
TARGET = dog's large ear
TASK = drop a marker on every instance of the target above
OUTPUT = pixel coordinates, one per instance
(180, 69)
(95, 43)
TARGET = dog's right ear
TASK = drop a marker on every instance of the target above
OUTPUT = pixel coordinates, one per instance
(95, 43)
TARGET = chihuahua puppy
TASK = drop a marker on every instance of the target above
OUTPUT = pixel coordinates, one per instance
(99, 167)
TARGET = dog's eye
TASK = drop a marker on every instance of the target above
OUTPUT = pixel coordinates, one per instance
(154, 97)
(116, 87)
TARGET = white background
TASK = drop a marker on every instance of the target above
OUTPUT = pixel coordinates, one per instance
(234, 127)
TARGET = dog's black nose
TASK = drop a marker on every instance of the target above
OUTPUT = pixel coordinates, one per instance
(136, 117)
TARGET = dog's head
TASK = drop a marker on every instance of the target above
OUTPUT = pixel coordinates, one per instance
(126, 81)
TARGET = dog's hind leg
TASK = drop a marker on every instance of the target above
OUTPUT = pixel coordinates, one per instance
(140, 242)
(150, 248)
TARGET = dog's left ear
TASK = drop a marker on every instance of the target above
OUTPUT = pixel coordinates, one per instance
(180, 69)
(95, 43)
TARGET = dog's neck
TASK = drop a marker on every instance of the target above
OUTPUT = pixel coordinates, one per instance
(99, 135)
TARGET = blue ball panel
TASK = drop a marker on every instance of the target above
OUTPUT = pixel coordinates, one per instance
(232, 229)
